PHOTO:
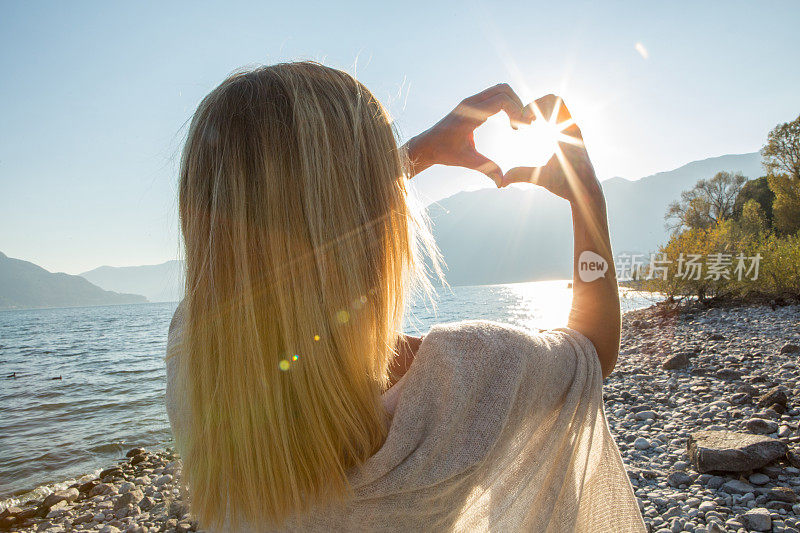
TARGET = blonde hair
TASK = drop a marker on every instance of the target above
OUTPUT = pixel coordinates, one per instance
(301, 246)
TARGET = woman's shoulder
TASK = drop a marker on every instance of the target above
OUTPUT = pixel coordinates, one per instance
(482, 354)
(174, 334)
(471, 353)
(173, 352)
(176, 323)
(471, 332)
(490, 336)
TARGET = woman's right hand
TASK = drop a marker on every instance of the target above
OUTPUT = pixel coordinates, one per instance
(451, 141)
(569, 173)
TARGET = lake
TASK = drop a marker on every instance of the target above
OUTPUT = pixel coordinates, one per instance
(110, 361)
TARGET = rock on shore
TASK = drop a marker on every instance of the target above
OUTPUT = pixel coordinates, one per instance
(704, 406)
(717, 450)
(139, 495)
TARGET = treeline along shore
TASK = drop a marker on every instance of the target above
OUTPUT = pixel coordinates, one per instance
(704, 405)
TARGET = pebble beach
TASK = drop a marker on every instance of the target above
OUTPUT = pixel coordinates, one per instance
(704, 405)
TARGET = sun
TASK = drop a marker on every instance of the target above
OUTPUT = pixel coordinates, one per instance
(529, 146)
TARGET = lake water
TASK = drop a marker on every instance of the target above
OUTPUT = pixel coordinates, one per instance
(110, 395)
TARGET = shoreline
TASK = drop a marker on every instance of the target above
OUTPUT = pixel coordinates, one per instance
(732, 371)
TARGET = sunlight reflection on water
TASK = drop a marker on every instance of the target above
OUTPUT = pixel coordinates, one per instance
(534, 305)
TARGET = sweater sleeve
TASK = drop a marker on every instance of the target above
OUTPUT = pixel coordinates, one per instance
(524, 411)
(475, 383)
(514, 372)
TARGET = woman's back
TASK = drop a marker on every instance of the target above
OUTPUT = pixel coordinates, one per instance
(492, 428)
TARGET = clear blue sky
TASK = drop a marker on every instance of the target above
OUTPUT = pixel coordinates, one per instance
(95, 95)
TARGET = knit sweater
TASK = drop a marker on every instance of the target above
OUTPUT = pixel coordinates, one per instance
(493, 428)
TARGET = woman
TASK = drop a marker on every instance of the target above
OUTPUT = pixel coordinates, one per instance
(294, 401)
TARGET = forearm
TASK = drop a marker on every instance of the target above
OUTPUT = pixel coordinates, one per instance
(595, 303)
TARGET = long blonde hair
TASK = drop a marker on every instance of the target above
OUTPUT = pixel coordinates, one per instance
(301, 246)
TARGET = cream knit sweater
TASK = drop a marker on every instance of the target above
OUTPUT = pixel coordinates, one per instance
(494, 428)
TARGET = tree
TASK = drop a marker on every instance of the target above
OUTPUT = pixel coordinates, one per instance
(753, 220)
(758, 190)
(707, 203)
(781, 155)
(786, 208)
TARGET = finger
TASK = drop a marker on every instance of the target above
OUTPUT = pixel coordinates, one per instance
(501, 102)
(483, 164)
(529, 113)
(553, 109)
(549, 176)
(519, 175)
(504, 90)
(500, 88)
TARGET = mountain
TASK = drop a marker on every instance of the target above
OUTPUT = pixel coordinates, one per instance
(24, 285)
(507, 235)
(510, 235)
(159, 283)
(636, 208)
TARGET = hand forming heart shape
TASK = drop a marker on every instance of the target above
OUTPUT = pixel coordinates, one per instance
(530, 145)
(451, 141)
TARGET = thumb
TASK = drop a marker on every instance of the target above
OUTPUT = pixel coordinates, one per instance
(481, 163)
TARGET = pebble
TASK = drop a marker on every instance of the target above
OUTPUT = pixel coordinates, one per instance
(166, 478)
(707, 506)
(757, 520)
(761, 426)
(736, 486)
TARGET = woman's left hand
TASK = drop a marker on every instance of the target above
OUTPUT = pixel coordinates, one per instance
(451, 141)
(405, 352)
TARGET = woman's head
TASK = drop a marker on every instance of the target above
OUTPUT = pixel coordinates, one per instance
(300, 248)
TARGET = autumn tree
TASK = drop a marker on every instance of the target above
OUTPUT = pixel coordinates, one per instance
(781, 157)
(758, 190)
(707, 203)
(786, 207)
(752, 219)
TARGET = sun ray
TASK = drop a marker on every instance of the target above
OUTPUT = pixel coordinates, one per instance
(556, 110)
(566, 124)
(569, 139)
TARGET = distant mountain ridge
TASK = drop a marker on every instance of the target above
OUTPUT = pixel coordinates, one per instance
(159, 283)
(24, 285)
(636, 208)
(509, 235)
(523, 234)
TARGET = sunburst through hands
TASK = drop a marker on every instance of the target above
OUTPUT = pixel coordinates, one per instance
(531, 145)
